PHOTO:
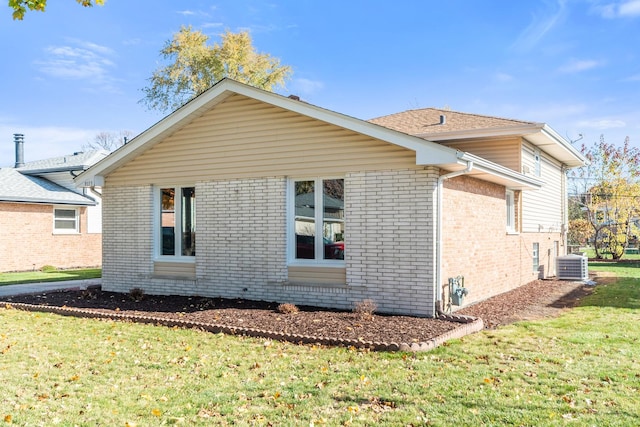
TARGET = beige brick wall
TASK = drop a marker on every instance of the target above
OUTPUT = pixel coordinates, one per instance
(127, 237)
(27, 240)
(390, 235)
(477, 246)
(241, 242)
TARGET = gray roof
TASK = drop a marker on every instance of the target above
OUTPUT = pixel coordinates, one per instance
(16, 187)
(74, 162)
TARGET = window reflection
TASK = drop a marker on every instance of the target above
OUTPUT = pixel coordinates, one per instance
(305, 223)
(330, 214)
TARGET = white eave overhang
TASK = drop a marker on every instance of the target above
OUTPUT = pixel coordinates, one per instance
(44, 201)
(538, 134)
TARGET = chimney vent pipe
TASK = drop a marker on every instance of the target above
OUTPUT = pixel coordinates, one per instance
(18, 139)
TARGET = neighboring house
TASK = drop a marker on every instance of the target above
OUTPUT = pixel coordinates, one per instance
(44, 219)
(289, 202)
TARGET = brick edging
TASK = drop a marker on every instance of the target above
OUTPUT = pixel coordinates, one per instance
(471, 325)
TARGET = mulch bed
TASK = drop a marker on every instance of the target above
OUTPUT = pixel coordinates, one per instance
(538, 299)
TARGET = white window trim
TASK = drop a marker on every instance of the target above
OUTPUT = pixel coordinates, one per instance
(157, 228)
(291, 232)
(537, 162)
(535, 255)
(76, 229)
(510, 201)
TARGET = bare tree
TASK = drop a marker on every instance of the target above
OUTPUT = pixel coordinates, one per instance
(108, 140)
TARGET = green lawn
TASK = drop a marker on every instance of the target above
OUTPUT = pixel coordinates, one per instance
(48, 276)
(581, 369)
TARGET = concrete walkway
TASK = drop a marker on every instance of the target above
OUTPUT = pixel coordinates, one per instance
(36, 288)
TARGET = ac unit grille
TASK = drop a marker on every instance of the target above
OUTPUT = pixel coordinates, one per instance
(573, 267)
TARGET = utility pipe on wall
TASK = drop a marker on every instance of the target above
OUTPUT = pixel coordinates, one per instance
(441, 180)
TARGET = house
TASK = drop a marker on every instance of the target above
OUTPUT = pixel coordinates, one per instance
(44, 219)
(243, 193)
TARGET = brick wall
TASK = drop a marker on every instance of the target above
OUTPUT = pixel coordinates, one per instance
(390, 238)
(241, 242)
(476, 245)
(27, 240)
(127, 237)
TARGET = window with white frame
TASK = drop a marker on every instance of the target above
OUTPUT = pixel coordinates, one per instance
(316, 220)
(536, 256)
(66, 220)
(177, 221)
(537, 162)
(511, 211)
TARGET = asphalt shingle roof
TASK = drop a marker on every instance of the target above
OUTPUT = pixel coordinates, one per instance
(77, 161)
(427, 121)
(16, 187)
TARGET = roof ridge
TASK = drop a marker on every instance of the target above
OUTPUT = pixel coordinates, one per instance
(445, 110)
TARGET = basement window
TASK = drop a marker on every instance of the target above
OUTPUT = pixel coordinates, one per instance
(511, 211)
(536, 256)
(66, 221)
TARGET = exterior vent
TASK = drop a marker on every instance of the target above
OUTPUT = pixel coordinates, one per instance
(573, 267)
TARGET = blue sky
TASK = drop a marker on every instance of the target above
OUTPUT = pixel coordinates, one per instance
(72, 72)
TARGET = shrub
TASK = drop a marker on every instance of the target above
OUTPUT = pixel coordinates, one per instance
(48, 268)
(88, 294)
(287, 308)
(136, 294)
(365, 308)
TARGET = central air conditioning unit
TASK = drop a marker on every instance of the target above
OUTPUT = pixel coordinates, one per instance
(572, 267)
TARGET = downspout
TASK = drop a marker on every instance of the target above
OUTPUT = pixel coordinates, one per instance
(441, 179)
(565, 210)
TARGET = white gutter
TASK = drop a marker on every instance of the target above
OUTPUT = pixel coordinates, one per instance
(441, 179)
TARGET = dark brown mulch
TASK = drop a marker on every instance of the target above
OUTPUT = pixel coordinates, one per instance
(538, 299)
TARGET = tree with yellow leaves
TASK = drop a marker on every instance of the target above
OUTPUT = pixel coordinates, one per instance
(608, 191)
(196, 66)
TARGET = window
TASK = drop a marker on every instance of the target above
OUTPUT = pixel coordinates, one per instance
(511, 211)
(177, 221)
(536, 161)
(66, 221)
(535, 253)
(317, 220)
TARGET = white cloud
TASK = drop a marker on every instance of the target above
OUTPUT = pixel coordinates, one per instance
(306, 87)
(540, 25)
(579, 65)
(602, 123)
(75, 62)
(625, 9)
(503, 77)
(630, 8)
(80, 60)
(212, 25)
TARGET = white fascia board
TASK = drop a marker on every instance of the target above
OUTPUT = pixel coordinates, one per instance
(508, 177)
(525, 129)
(539, 134)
